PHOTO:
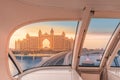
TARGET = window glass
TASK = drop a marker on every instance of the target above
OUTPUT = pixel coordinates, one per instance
(44, 44)
(12, 68)
(99, 32)
(116, 60)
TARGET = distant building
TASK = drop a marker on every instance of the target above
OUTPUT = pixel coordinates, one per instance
(35, 43)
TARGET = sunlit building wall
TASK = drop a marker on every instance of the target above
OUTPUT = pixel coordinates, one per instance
(36, 43)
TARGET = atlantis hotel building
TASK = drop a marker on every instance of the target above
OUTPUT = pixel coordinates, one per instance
(45, 42)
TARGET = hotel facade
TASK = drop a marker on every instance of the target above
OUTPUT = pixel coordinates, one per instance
(36, 43)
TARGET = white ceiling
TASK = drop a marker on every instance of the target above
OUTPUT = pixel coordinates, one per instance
(106, 5)
(109, 5)
(17, 12)
(67, 4)
(110, 8)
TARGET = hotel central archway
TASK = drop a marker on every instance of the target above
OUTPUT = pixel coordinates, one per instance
(46, 44)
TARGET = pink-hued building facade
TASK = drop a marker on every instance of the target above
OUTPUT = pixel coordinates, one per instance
(35, 43)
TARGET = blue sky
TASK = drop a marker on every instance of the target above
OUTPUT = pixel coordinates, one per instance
(103, 25)
(99, 30)
(69, 27)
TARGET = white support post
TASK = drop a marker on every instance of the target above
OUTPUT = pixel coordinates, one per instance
(111, 49)
(81, 32)
(111, 58)
(16, 63)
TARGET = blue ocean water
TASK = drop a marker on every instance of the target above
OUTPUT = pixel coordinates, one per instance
(27, 62)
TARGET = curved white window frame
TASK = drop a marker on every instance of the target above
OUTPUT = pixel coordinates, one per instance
(116, 49)
(15, 63)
